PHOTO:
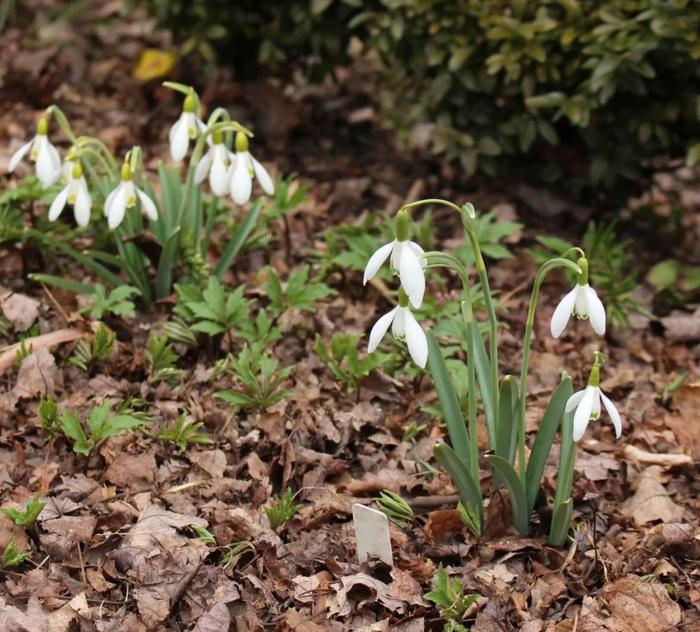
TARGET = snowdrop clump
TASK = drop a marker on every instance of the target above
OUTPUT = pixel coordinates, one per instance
(504, 400)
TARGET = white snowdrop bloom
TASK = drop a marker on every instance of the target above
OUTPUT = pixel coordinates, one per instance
(581, 301)
(185, 129)
(42, 153)
(216, 163)
(405, 260)
(243, 167)
(404, 326)
(74, 193)
(124, 197)
(587, 405)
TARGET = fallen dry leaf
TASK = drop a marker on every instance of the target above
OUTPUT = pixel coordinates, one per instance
(358, 590)
(651, 501)
(651, 458)
(52, 339)
(19, 309)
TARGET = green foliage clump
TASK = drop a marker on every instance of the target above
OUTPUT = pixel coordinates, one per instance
(612, 83)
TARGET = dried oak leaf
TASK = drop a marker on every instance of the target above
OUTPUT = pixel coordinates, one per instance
(14, 620)
(19, 309)
(651, 501)
(642, 606)
(132, 471)
(213, 462)
(358, 590)
(217, 618)
(64, 534)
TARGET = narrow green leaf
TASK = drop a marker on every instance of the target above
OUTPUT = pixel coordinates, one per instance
(238, 239)
(63, 283)
(507, 431)
(561, 521)
(483, 374)
(468, 488)
(166, 265)
(545, 436)
(456, 425)
(521, 515)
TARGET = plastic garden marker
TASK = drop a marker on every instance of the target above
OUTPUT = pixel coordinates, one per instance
(372, 534)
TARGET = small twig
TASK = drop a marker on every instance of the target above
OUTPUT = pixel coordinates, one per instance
(56, 304)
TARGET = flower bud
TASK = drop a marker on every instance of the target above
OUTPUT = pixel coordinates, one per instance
(583, 264)
(402, 226)
(189, 104)
(241, 142)
(42, 126)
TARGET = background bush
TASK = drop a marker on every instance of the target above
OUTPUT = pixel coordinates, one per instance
(590, 90)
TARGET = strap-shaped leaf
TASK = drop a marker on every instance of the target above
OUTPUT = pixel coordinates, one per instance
(468, 488)
(63, 282)
(507, 429)
(545, 436)
(166, 265)
(483, 374)
(238, 240)
(518, 498)
(561, 520)
(561, 517)
(456, 425)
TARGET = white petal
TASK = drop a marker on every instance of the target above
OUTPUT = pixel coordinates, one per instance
(574, 400)
(46, 168)
(179, 139)
(53, 154)
(263, 177)
(192, 124)
(583, 412)
(416, 340)
(412, 276)
(148, 207)
(18, 155)
(581, 305)
(596, 311)
(614, 415)
(562, 313)
(202, 168)
(58, 204)
(419, 252)
(398, 327)
(376, 260)
(82, 206)
(218, 178)
(110, 199)
(117, 208)
(241, 182)
(379, 330)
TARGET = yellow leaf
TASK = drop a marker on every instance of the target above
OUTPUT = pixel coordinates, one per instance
(154, 63)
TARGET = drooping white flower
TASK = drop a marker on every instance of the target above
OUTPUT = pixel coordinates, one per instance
(42, 153)
(243, 167)
(581, 301)
(185, 129)
(404, 326)
(124, 197)
(216, 163)
(587, 403)
(405, 260)
(74, 193)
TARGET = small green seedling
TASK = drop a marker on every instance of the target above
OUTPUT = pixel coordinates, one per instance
(452, 602)
(100, 425)
(24, 350)
(396, 508)
(301, 292)
(117, 302)
(234, 551)
(283, 510)
(87, 355)
(49, 416)
(412, 431)
(183, 433)
(162, 359)
(177, 330)
(261, 378)
(13, 556)
(204, 535)
(27, 517)
(343, 360)
(469, 518)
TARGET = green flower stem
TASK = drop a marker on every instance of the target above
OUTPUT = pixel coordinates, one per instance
(466, 215)
(435, 259)
(112, 174)
(62, 120)
(87, 141)
(558, 262)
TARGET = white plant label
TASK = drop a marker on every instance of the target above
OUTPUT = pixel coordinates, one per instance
(372, 534)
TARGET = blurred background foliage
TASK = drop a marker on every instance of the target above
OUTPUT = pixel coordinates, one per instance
(590, 90)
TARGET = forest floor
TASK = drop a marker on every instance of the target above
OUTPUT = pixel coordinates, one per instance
(114, 548)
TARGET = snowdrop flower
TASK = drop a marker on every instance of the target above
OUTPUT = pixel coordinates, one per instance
(405, 260)
(74, 193)
(587, 403)
(185, 129)
(215, 163)
(124, 197)
(581, 301)
(404, 326)
(242, 170)
(43, 153)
